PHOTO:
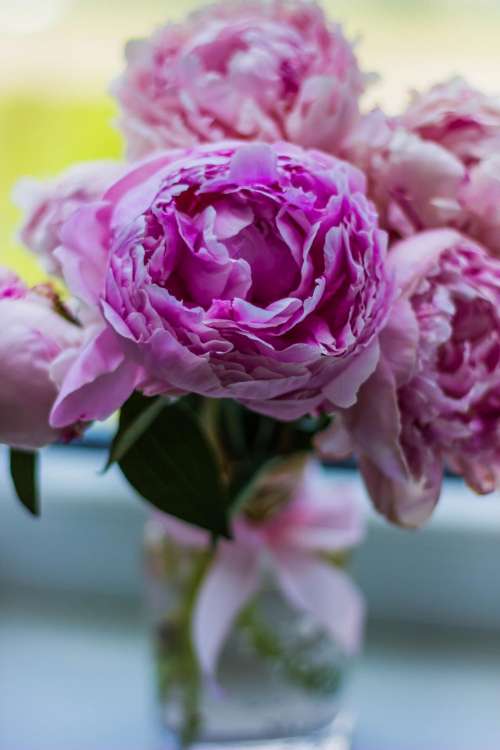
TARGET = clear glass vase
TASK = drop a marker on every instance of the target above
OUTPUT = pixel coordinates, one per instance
(278, 676)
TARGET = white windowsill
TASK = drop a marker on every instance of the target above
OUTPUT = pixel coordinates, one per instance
(74, 657)
(89, 540)
(76, 673)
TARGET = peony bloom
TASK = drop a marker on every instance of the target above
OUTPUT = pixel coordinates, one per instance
(434, 400)
(437, 165)
(47, 204)
(251, 272)
(34, 340)
(460, 118)
(265, 70)
(481, 200)
(414, 183)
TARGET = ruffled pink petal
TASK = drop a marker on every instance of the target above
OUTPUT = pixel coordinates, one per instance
(411, 259)
(344, 387)
(97, 383)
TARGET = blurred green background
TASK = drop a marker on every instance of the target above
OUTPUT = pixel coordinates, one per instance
(57, 58)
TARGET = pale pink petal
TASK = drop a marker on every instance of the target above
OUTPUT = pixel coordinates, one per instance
(412, 258)
(334, 443)
(326, 593)
(374, 423)
(324, 514)
(343, 389)
(83, 254)
(399, 341)
(231, 581)
(97, 383)
(409, 502)
(185, 534)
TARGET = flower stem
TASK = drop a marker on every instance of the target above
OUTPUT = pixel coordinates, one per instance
(321, 679)
(179, 678)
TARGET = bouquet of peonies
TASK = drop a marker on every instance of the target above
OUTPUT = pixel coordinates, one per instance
(279, 271)
(272, 273)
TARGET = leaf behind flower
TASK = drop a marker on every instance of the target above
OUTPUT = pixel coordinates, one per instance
(165, 455)
(23, 470)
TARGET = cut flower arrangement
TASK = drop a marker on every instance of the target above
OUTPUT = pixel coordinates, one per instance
(273, 277)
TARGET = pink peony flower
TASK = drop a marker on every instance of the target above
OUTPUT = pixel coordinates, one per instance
(414, 183)
(437, 165)
(481, 199)
(34, 340)
(264, 70)
(434, 400)
(458, 117)
(47, 204)
(251, 272)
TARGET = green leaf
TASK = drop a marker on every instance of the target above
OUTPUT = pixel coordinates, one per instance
(23, 470)
(172, 465)
(136, 416)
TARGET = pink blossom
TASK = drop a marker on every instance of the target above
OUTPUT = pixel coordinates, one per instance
(33, 342)
(47, 204)
(319, 515)
(264, 70)
(437, 165)
(434, 400)
(252, 272)
(415, 184)
(481, 199)
(458, 117)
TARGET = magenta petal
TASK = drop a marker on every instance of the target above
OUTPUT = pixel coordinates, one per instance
(231, 581)
(254, 163)
(179, 367)
(134, 192)
(246, 271)
(343, 388)
(97, 383)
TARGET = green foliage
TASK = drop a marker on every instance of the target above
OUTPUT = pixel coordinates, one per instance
(321, 679)
(136, 417)
(178, 670)
(167, 458)
(23, 470)
(249, 440)
(198, 459)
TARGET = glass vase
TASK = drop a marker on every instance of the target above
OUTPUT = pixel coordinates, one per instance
(279, 675)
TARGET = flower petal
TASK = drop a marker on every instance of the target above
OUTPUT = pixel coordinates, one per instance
(232, 579)
(98, 382)
(325, 592)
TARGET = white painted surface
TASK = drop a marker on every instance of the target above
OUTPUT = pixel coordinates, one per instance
(74, 659)
(75, 675)
(89, 540)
